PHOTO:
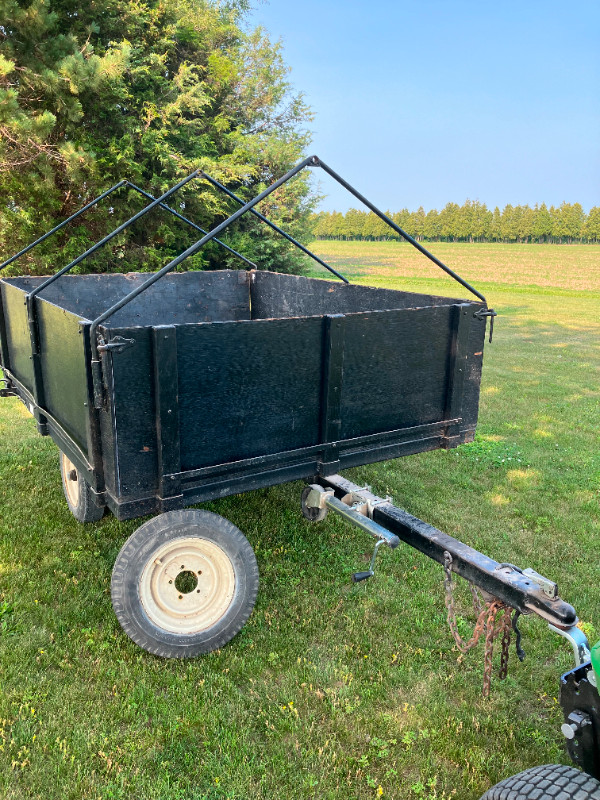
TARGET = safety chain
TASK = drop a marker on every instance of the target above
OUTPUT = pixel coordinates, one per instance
(489, 620)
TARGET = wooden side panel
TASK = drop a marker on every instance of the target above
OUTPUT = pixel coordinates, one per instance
(472, 385)
(64, 376)
(395, 369)
(177, 298)
(17, 334)
(132, 415)
(275, 295)
(248, 388)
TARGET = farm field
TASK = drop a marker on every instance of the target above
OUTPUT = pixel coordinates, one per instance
(331, 691)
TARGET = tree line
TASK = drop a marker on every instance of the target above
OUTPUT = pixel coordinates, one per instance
(471, 222)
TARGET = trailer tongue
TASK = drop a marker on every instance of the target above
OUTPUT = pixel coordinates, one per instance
(508, 586)
(523, 590)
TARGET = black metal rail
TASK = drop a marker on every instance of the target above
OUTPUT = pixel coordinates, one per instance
(103, 196)
(503, 581)
(62, 224)
(274, 227)
(397, 228)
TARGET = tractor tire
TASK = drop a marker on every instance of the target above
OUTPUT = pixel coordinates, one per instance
(550, 782)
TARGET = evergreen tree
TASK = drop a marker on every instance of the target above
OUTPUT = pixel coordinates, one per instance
(92, 93)
(431, 226)
(449, 222)
(472, 222)
(496, 225)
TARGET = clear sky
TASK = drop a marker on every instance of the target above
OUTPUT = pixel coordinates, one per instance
(431, 101)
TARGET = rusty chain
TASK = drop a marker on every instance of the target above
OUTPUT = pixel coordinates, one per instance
(489, 621)
(463, 646)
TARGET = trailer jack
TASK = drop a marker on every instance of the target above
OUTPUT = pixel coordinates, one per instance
(356, 508)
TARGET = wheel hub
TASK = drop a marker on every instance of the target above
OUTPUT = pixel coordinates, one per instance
(187, 586)
(71, 481)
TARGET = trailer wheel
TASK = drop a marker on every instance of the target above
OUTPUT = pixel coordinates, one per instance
(184, 583)
(78, 493)
(550, 782)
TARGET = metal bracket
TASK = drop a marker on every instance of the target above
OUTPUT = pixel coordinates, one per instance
(7, 390)
(317, 497)
(487, 312)
(549, 587)
(578, 641)
(116, 345)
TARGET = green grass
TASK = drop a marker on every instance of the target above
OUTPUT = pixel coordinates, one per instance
(330, 691)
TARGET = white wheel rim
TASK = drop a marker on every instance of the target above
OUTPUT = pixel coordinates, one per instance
(71, 485)
(187, 611)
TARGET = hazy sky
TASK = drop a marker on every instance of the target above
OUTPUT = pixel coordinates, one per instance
(427, 102)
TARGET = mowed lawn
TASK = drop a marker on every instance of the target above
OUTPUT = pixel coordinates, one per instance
(330, 691)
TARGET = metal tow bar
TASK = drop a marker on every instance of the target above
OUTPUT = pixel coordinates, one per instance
(507, 589)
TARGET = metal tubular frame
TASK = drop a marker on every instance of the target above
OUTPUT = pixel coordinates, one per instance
(189, 222)
(192, 250)
(275, 227)
(311, 161)
(62, 224)
(103, 196)
(398, 229)
(111, 235)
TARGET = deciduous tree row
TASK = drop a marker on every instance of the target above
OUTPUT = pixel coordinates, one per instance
(471, 222)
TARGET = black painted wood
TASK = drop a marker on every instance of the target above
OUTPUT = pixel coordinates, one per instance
(17, 334)
(166, 384)
(457, 362)
(394, 369)
(4, 352)
(248, 388)
(179, 298)
(239, 380)
(274, 296)
(133, 412)
(332, 380)
(63, 369)
(472, 383)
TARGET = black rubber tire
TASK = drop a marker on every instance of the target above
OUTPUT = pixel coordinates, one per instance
(310, 513)
(550, 782)
(83, 507)
(139, 550)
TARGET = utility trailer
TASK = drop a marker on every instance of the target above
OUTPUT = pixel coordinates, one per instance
(215, 383)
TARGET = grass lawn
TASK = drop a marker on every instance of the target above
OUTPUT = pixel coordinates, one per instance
(330, 691)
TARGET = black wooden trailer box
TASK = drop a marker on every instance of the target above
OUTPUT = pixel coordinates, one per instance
(219, 382)
(166, 389)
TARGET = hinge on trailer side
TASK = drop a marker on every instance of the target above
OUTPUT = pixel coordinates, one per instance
(116, 345)
(487, 312)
